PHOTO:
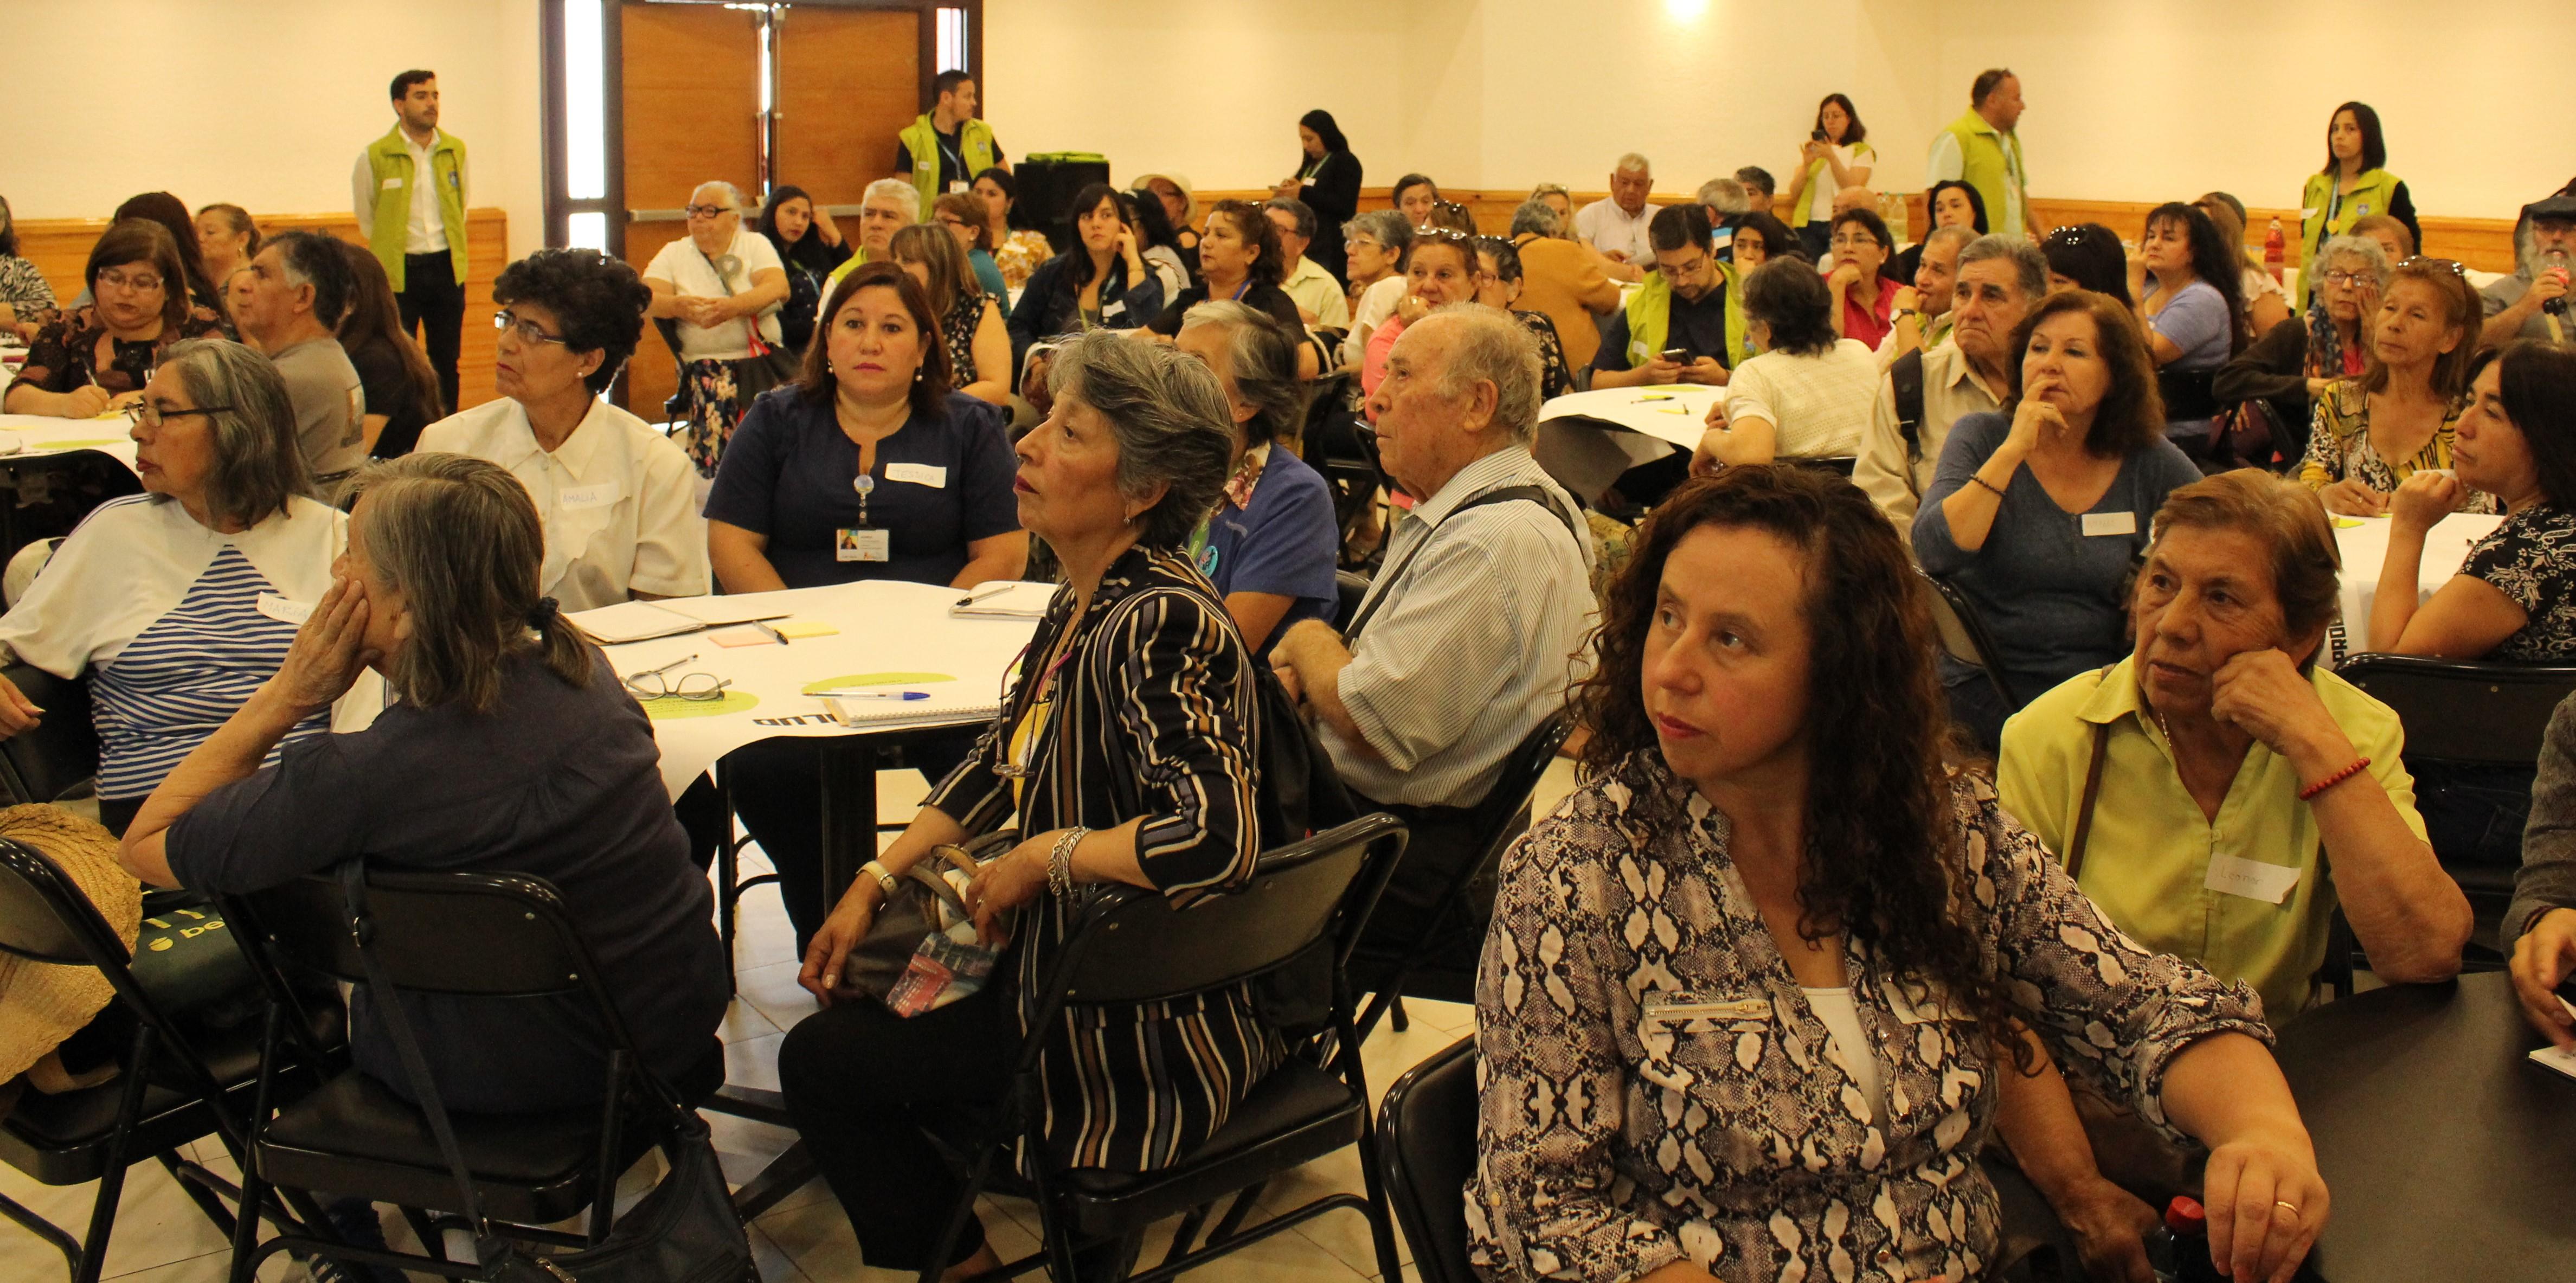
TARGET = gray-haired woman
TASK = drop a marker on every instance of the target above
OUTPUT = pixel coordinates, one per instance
(2294, 361)
(1269, 546)
(178, 602)
(514, 749)
(1375, 244)
(1562, 278)
(1123, 753)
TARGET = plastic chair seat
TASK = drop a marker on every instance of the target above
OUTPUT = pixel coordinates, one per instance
(1296, 1115)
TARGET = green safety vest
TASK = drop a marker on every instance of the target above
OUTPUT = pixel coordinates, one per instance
(389, 159)
(974, 140)
(2370, 195)
(1650, 312)
(1802, 201)
(1985, 165)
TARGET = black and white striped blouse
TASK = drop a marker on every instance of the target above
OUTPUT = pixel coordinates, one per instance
(1156, 703)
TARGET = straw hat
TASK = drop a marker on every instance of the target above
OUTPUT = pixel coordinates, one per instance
(43, 1003)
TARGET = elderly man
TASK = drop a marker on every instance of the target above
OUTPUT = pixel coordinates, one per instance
(889, 205)
(299, 286)
(1319, 297)
(2532, 303)
(1466, 640)
(1617, 226)
(2000, 278)
(1982, 150)
(1923, 308)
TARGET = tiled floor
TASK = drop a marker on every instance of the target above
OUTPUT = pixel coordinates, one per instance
(161, 1237)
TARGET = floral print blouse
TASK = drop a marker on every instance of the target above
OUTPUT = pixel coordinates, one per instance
(2531, 558)
(65, 354)
(24, 288)
(1554, 379)
(2339, 448)
(1657, 1087)
(1020, 255)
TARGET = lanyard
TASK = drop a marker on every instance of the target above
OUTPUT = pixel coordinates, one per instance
(863, 483)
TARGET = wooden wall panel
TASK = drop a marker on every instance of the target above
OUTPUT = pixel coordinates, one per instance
(692, 98)
(846, 86)
(59, 247)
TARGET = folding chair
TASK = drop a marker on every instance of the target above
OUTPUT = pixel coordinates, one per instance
(1426, 1139)
(1131, 946)
(61, 754)
(172, 1087)
(1964, 635)
(495, 935)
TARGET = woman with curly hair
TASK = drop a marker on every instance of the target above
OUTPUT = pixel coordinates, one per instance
(1735, 1027)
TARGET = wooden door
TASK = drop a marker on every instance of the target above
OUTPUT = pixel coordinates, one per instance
(848, 82)
(691, 89)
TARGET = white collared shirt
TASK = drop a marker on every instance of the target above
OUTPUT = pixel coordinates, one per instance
(691, 274)
(1315, 290)
(425, 230)
(1606, 227)
(619, 501)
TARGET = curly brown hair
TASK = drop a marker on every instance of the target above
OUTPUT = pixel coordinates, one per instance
(1890, 873)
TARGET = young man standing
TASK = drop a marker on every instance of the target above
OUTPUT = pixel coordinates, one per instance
(409, 192)
(944, 148)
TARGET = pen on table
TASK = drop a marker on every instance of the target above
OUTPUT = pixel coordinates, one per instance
(855, 694)
(774, 634)
(1660, 396)
(974, 595)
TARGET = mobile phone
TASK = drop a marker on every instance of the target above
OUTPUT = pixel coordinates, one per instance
(1818, 135)
(1677, 355)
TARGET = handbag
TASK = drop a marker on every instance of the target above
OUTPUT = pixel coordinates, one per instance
(925, 904)
(766, 367)
(684, 1231)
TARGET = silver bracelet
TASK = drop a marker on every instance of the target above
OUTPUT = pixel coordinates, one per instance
(1060, 862)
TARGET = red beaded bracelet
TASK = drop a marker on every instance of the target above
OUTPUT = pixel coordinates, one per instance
(2310, 792)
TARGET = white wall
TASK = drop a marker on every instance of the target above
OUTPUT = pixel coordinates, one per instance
(265, 105)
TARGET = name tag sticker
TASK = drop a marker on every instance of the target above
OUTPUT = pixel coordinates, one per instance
(958, 185)
(919, 474)
(576, 498)
(284, 610)
(2110, 523)
(392, 184)
(2309, 212)
(858, 543)
(2252, 879)
(1118, 308)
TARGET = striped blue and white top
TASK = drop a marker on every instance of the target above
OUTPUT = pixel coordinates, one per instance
(177, 624)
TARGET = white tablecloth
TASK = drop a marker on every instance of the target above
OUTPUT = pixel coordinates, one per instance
(1585, 456)
(892, 634)
(37, 434)
(2363, 542)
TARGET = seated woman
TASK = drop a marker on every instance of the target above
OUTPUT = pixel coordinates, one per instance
(962, 215)
(1413, 196)
(867, 467)
(970, 321)
(2194, 789)
(1161, 246)
(227, 240)
(1100, 283)
(1180, 206)
(177, 601)
(722, 284)
(1137, 674)
(2290, 365)
(1952, 204)
(1498, 286)
(1562, 279)
(1759, 238)
(99, 355)
(2037, 510)
(513, 749)
(2186, 280)
(1806, 1030)
(2266, 305)
(1379, 243)
(2088, 256)
(400, 386)
(2395, 239)
(1808, 394)
(1864, 298)
(616, 499)
(1270, 544)
(2401, 416)
(1018, 249)
(26, 298)
(1239, 259)
(1439, 270)
(809, 247)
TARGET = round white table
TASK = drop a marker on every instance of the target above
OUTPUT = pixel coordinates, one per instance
(2363, 544)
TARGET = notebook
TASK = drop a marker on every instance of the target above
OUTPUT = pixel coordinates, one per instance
(943, 708)
(634, 621)
(1016, 599)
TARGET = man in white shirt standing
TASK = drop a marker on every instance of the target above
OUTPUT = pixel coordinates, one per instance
(1617, 226)
(409, 194)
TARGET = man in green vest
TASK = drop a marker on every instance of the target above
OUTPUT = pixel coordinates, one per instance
(944, 148)
(1684, 326)
(410, 197)
(1981, 150)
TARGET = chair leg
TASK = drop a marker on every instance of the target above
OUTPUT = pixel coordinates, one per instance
(43, 1229)
(1381, 1217)
(200, 1186)
(433, 1240)
(111, 1181)
(1396, 1016)
(1232, 1222)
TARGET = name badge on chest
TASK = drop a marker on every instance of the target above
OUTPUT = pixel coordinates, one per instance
(2252, 879)
(859, 543)
(2110, 523)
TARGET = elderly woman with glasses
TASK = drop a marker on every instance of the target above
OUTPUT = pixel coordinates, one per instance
(617, 500)
(721, 286)
(2293, 362)
(1123, 754)
(2400, 417)
(178, 602)
(101, 354)
(513, 749)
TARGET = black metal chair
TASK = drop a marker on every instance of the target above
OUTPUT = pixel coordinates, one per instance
(1500, 818)
(1426, 1138)
(1964, 635)
(61, 754)
(176, 1083)
(1840, 465)
(2474, 714)
(1131, 946)
(494, 935)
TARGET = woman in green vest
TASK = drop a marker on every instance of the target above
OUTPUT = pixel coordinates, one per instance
(1833, 157)
(2354, 185)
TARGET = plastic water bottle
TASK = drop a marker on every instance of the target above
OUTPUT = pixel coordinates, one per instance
(2178, 1250)
(2276, 247)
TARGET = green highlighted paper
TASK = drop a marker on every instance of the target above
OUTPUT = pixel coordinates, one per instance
(876, 679)
(665, 709)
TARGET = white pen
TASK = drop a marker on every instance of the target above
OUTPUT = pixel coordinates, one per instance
(974, 595)
(858, 694)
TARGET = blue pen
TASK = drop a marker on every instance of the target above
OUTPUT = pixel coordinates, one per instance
(836, 694)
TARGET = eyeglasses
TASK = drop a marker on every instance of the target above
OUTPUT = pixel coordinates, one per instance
(527, 332)
(707, 211)
(1855, 242)
(143, 283)
(151, 416)
(2349, 280)
(656, 683)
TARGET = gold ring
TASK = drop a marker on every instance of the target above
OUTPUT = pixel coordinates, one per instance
(2294, 1208)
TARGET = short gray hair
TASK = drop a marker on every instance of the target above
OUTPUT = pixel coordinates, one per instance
(1633, 161)
(1726, 196)
(1385, 226)
(1535, 217)
(258, 465)
(1489, 347)
(2360, 247)
(732, 193)
(899, 190)
(1262, 359)
(1960, 236)
(1170, 420)
(2030, 267)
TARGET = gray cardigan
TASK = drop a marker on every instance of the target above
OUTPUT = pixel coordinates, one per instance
(2548, 877)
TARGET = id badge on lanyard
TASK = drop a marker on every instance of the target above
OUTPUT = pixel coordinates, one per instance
(862, 542)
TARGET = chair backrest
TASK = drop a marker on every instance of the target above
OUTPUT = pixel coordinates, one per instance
(1527, 762)
(1134, 947)
(501, 935)
(2465, 711)
(1964, 634)
(47, 762)
(1426, 1135)
(45, 917)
